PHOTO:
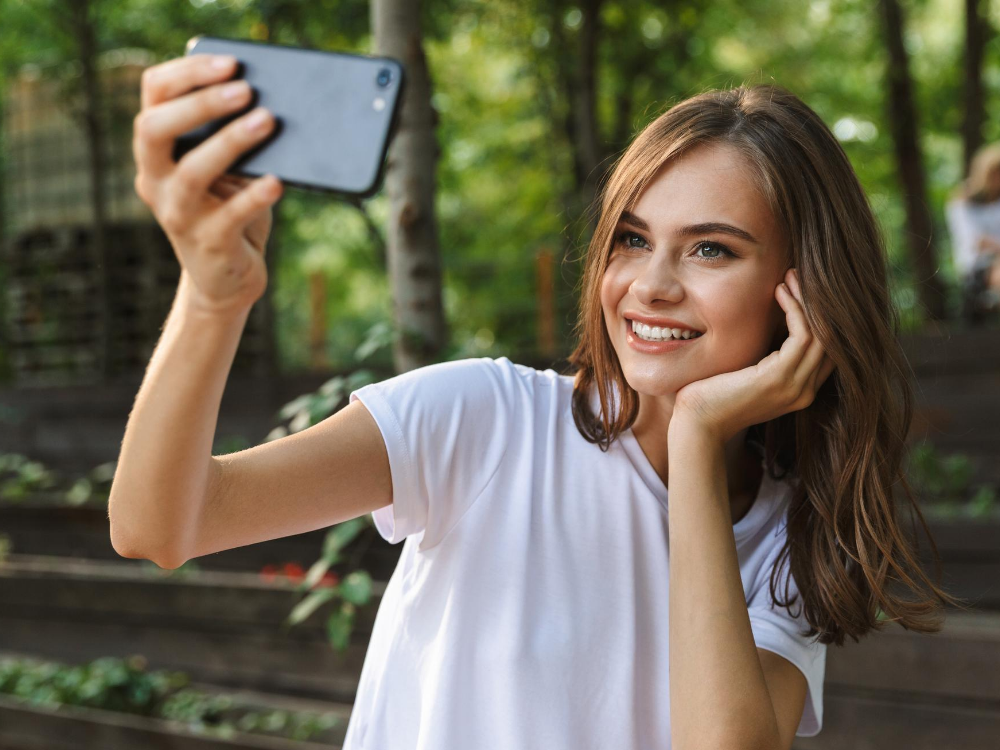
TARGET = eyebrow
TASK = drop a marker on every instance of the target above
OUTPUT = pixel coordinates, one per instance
(706, 227)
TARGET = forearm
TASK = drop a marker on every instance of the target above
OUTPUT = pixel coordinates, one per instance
(166, 454)
(718, 694)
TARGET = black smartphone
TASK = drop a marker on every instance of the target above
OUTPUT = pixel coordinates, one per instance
(335, 114)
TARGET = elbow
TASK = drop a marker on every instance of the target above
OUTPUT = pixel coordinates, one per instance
(166, 559)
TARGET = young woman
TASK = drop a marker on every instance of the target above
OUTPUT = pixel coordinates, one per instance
(973, 215)
(601, 559)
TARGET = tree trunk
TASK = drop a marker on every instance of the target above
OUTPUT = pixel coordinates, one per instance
(902, 116)
(411, 232)
(977, 32)
(82, 29)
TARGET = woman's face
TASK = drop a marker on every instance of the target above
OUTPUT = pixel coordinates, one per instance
(663, 265)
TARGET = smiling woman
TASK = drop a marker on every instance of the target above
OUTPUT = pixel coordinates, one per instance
(700, 219)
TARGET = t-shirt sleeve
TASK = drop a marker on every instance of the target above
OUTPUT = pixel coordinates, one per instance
(776, 629)
(446, 428)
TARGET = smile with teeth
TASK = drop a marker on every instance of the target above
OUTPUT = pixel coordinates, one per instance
(655, 333)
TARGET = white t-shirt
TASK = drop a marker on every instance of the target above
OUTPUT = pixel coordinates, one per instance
(529, 606)
(967, 221)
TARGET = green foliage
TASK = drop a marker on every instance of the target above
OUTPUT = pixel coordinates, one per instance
(354, 590)
(502, 73)
(109, 683)
(944, 482)
(124, 685)
(94, 487)
(313, 408)
(21, 478)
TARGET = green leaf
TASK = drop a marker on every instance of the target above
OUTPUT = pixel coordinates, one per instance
(316, 573)
(80, 492)
(294, 407)
(338, 629)
(356, 587)
(310, 604)
(339, 537)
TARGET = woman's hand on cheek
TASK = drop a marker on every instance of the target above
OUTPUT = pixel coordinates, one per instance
(785, 380)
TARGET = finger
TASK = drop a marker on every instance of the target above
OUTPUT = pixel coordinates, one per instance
(174, 77)
(157, 128)
(240, 209)
(204, 164)
(815, 352)
(799, 334)
(814, 358)
(228, 185)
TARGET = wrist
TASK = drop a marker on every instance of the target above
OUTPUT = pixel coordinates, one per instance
(196, 307)
(686, 429)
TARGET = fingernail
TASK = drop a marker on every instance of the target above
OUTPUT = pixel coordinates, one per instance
(221, 63)
(235, 90)
(257, 120)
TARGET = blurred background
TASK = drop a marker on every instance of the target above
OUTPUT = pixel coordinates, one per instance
(518, 110)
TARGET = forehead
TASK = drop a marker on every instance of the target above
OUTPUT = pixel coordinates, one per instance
(710, 183)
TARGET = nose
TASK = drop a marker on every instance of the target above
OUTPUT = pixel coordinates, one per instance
(656, 281)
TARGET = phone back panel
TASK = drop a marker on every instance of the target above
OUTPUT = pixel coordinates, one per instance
(333, 119)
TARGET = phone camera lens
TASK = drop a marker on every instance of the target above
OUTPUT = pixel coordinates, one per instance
(384, 76)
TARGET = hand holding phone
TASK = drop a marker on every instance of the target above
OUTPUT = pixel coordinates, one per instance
(217, 224)
(336, 114)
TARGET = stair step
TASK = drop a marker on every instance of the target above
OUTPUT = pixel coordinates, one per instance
(876, 720)
(219, 627)
(962, 660)
(27, 727)
(253, 700)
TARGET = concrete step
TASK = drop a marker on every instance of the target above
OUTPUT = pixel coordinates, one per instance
(220, 627)
(881, 720)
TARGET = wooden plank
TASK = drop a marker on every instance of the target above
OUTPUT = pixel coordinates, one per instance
(81, 728)
(874, 721)
(963, 660)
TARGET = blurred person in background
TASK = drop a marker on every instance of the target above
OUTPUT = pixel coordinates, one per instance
(973, 215)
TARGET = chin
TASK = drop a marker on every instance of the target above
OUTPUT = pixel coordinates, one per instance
(651, 384)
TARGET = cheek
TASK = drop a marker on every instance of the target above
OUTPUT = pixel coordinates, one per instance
(612, 291)
(742, 331)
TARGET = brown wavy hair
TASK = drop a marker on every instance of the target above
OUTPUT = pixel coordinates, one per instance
(845, 542)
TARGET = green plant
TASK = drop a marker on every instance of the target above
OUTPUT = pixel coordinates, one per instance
(20, 477)
(353, 591)
(95, 486)
(110, 683)
(124, 685)
(24, 476)
(312, 408)
(945, 483)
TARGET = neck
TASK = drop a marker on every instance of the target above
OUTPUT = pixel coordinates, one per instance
(743, 467)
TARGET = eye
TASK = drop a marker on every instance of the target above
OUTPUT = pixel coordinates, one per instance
(724, 251)
(623, 239)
